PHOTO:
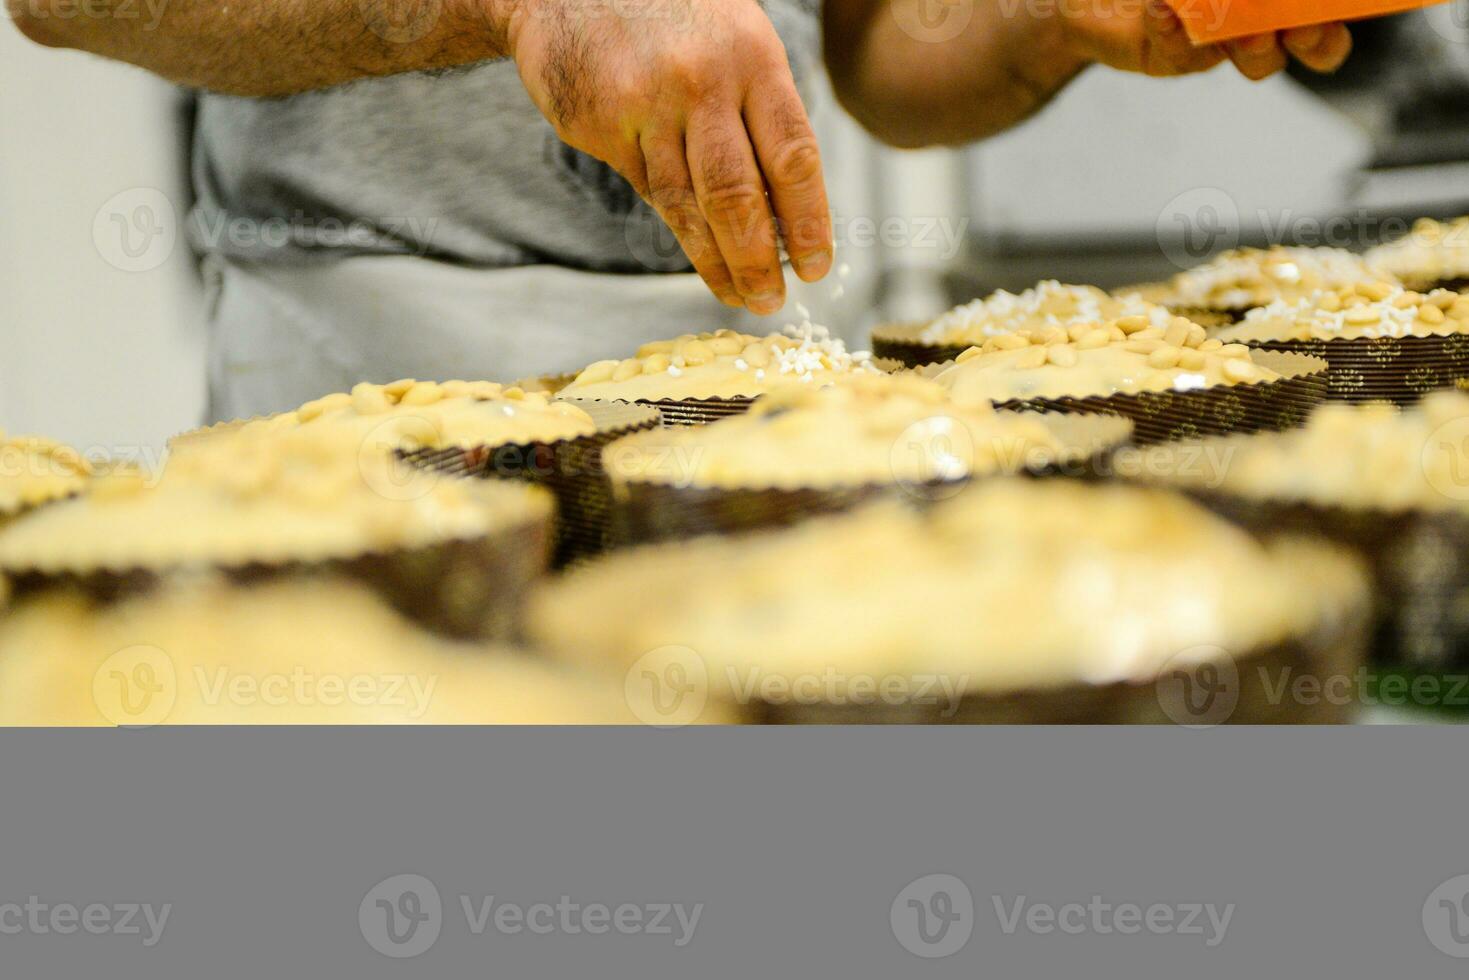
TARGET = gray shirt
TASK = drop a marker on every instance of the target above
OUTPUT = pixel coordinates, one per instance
(457, 165)
(427, 225)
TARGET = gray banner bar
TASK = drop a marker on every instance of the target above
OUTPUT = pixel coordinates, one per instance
(734, 853)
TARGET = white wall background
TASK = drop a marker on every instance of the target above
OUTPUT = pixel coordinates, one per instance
(90, 353)
(1114, 149)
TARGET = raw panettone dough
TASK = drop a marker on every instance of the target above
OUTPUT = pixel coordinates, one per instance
(35, 471)
(1363, 457)
(1248, 277)
(1432, 252)
(875, 429)
(1011, 585)
(725, 364)
(286, 496)
(413, 415)
(318, 651)
(1368, 310)
(1048, 304)
(1124, 356)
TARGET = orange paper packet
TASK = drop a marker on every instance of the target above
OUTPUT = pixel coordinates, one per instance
(1208, 21)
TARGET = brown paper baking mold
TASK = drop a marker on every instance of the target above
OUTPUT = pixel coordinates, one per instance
(1167, 416)
(1400, 370)
(1334, 650)
(1418, 560)
(571, 469)
(894, 342)
(648, 510)
(467, 588)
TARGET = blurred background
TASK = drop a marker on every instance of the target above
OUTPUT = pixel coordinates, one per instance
(1122, 180)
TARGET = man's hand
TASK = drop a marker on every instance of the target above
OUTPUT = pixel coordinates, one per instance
(1152, 40)
(692, 100)
(915, 78)
(694, 103)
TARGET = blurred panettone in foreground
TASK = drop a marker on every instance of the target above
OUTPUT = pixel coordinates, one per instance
(323, 651)
(282, 497)
(35, 471)
(1011, 589)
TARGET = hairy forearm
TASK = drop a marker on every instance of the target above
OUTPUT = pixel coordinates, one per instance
(915, 79)
(274, 47)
